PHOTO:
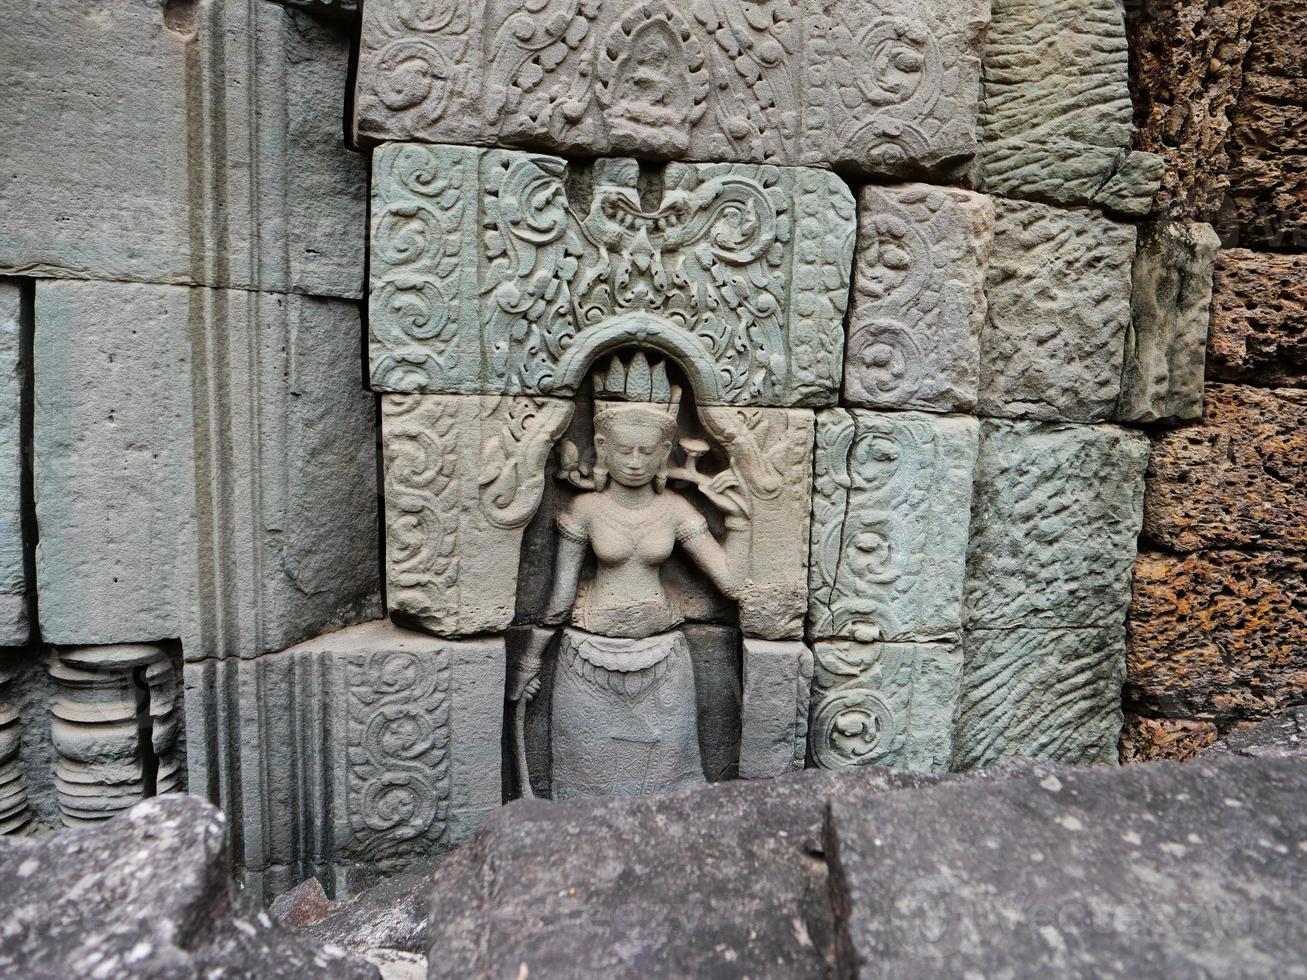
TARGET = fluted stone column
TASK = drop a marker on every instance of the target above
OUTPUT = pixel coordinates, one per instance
(15, 817)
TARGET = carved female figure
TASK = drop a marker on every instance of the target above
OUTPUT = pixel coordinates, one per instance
(623, 707)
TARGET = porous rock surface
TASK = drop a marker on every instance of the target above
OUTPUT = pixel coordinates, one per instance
(1258, 329)
(1236, 479)
(145, 895)
(1218, 635)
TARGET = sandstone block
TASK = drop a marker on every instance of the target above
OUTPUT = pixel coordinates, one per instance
(1054, 519)
(1268, 167)
(877, 86)
(1219, 635)
(774, 708)
(918, 299)
(884, 704)
(1238, 478)
(1147, 871)
(1042, 693)
(1258, 329)
(1058, 292)
(888, 538)
(463, 477)
(15, 311)
(1171, 295)
(205, 467)
(496, 272)
(719, 691)
(352, 755)
(1189, 63)
(247, 183)
(1055, 114)
(1170, 739)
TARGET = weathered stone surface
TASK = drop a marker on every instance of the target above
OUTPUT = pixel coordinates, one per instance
(247, 183)
(15, 811)
(1055, 115)
(1238, 478)
(15, 312)
(1054, 519)
(719, 690)
(1164, 739)
(774, 708)
(1219, 635)
(498, 272)
(889, 545)
(464, 475)
(1043, 693)
(114, 750)
(1268, 152)
(390, 915)
(1058, 289)
(1171, 295)
(303, 905)
(1281, 737)
(1149, 871)
(146, 895)
(918, 299)
(1187, 70)
(884, 704)
(599, 887)
(205, 467)
(352, 755)
(877, 86)
(1258, 329)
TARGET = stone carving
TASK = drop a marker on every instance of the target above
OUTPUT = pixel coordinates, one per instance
(250, 186)
(220, 510)
(1055, 115)
(1058, 289)
(1170, 301)
(774, 710)
(463, 477)
(15, 315)
(884, 704)
(1055, 515)
(623, 709)
(889, 538)
(918, 299)
(15, 816)
(353, 754)
(114, 729)
(880, 86)
(738, 272)
(1042, 693)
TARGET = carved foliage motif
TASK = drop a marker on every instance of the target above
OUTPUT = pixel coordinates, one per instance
(463, 477)
(885, 704)
(780, 81)
(738, 272)
(888, 548)
(918, 298)
(398, 750)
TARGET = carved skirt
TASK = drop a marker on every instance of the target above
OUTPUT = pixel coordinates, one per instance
(623, 716)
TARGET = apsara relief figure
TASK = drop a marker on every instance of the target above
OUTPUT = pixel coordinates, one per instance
(623, 703)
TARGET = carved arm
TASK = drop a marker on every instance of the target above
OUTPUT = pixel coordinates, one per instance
(726, 563)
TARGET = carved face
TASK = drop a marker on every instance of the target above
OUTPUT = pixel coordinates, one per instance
(633, 451)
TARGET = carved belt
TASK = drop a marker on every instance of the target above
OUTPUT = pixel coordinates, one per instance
(626, 667)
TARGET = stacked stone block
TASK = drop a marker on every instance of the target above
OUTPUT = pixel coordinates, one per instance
(187, 450)
(1217, 634)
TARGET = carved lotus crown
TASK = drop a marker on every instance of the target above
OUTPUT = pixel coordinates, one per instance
(636, 390)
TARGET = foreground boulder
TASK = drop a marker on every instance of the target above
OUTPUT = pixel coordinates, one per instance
(146, 894)
(1022, 870)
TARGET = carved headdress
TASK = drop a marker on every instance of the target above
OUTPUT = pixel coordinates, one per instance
(638, 390)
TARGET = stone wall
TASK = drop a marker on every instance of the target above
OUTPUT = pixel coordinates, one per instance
(879, 266)
(1218, 635)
